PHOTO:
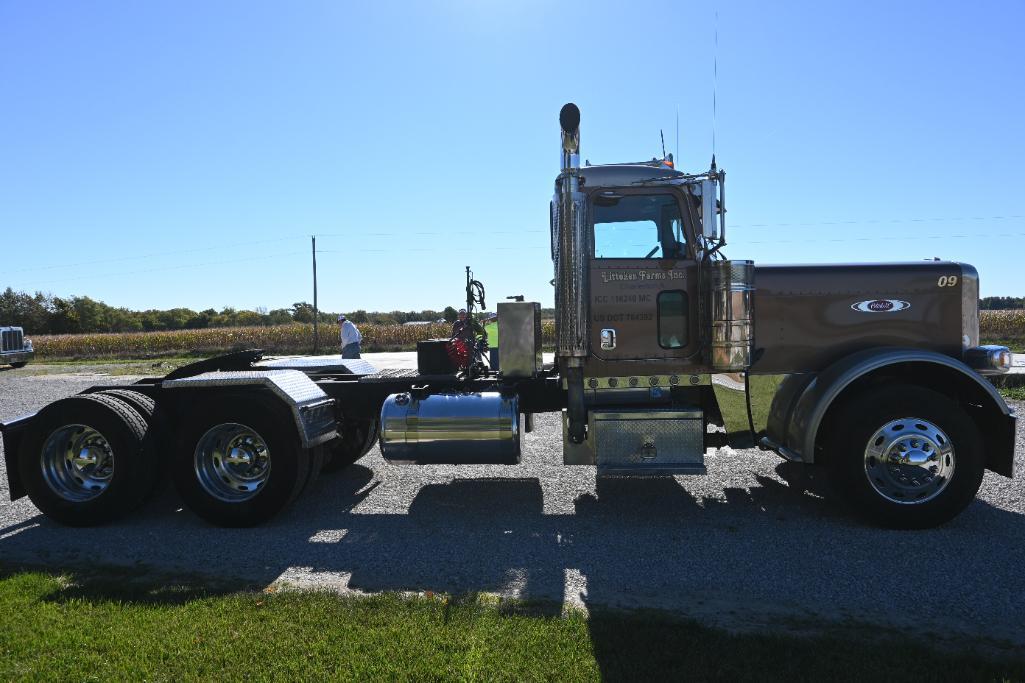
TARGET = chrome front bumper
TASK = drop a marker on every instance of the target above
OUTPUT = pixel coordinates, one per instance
(9, 357)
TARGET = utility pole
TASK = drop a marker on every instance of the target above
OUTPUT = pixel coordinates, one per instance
(316, 313)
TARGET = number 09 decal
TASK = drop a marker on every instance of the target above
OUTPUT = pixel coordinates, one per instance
(947, 281)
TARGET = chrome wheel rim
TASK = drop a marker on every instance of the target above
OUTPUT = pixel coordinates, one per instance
(232, 462)
(77, 462)
(909, 461)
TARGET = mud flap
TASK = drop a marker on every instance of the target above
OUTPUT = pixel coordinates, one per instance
(11, 434)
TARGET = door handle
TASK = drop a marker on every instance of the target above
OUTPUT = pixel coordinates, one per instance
(608, 339)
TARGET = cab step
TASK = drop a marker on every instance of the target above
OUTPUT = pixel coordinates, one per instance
(640, 441)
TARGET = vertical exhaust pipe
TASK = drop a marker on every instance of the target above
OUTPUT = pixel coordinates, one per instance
(569, 121)
(571, 276)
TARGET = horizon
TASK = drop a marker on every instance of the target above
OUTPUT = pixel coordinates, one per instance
(182, 154)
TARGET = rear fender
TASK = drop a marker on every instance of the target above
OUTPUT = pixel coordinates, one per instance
(311, 409)
(996, 421)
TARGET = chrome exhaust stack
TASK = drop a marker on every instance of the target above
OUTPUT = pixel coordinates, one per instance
(570, 249)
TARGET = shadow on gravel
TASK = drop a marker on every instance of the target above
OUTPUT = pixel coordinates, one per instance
(778, 549)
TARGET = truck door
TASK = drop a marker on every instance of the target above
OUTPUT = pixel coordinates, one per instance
(643, 276)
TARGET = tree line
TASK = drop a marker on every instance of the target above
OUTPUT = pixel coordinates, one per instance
(1002, 303)
(46, 314)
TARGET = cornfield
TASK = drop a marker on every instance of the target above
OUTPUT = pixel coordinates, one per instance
(298, 338)
(280, 339)
(1002, 325)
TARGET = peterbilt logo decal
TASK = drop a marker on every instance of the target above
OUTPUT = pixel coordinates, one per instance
(881, 306)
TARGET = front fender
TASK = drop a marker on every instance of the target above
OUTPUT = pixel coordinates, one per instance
(806, 417)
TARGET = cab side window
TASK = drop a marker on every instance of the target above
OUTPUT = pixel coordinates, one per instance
(637, 226)
(672, 319)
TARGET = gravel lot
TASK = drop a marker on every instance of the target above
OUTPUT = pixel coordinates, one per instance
(738, 547)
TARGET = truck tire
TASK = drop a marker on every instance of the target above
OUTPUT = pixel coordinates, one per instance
(157, 431)
(83, 462)
(355, 440)
(239, 461)
(904, 457)
(318, 456)
(20, 364)
(143, 404)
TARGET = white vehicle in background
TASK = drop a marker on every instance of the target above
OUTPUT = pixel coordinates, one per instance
(15, 350)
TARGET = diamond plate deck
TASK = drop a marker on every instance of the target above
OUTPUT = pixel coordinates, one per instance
(310, 406)
(326, 365)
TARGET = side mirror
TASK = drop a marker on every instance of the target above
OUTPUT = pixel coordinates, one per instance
(709, 213)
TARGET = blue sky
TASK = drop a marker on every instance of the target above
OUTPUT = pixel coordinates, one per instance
(164, 154)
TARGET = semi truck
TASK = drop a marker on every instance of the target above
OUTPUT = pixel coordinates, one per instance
(664, 351)
(15, 349)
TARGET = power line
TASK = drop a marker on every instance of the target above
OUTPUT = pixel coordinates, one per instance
(446, 248)
(888, 238)
(877, 221)
(179, 267)
(156, 254)
(440, 233)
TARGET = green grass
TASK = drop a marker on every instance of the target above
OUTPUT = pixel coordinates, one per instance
(129, 626)
(1016, 345)
(1015, 393)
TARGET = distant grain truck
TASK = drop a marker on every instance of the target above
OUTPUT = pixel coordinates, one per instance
(664, 349)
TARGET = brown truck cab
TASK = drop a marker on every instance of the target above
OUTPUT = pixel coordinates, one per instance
(871, 371)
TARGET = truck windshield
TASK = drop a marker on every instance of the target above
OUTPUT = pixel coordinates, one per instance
(637, 226)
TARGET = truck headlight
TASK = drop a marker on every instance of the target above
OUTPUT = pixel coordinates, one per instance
(989, 360)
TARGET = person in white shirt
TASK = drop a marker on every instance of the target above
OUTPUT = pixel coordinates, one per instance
(350, 337)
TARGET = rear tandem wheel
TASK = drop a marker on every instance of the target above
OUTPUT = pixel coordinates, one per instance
(84, 460)
(239, 462)
(355, 439)
(157, 432)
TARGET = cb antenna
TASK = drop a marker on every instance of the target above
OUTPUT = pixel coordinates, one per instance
(715, 80)
(663, 142)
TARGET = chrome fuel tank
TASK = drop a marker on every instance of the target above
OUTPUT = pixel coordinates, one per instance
(453, 428)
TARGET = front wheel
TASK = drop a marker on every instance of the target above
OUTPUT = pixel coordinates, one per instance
(905, 457)
(19, 364)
